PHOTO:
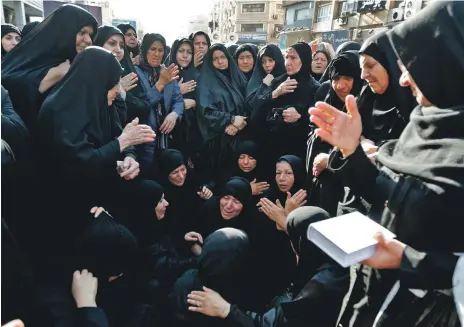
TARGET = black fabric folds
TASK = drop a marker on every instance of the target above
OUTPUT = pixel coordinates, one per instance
(272, 51)
(232, 48)
(28, 27)
(384, 116)
(250, 48)
(103, 34)
(171, 159)
(432, 145)
(221, 95)
(49, 44)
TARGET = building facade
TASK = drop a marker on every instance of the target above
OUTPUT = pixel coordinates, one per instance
(247, 21)
(336, 21)
(21, 12)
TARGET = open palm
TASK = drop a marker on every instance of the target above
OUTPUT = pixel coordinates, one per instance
(340, 129)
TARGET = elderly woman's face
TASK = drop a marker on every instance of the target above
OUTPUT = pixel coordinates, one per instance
(319, 63)
(230, 207)
(342, 86)
(374, 73)
(293, 62)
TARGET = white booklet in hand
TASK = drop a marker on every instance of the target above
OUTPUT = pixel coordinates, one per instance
(348, 239)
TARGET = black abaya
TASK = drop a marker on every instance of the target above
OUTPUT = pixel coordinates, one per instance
(46, 46)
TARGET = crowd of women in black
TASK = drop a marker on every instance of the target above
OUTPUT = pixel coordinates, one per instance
(211, 162)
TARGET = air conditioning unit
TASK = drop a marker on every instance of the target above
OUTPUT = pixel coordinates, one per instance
(411, 8)
(348, 8)
(396, 15)
(342, 20)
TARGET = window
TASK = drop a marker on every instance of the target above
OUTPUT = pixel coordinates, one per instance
(301, 14)
(323, 13)
(249, 28)
(255, 7)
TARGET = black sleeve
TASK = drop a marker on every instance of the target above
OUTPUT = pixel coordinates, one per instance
(322, 91)
(121, 109)
(260, 97)
(136, 106)
(357, 172)
(432, 270)
(90, 317)
(14, 131)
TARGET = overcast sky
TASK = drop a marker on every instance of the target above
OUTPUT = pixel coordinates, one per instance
(167, 17)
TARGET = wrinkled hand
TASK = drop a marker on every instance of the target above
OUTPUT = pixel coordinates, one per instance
(297, 200)
(169, 74)
(320, 163)
(274, 211)
(198, 59)
(240, 122)
(14, 323)
(388, 254)
(187, 86)
(84, 288)
(290, 115)
(129, 81)
(193, 237)
(336, 127)
(189, 104)
(62, 69)
(231, 130)
(205, 193)
(96, 211)
(128, 169)
(287, 86)
(134, 134)
(258, 188)
(209, 303)
(169, 123)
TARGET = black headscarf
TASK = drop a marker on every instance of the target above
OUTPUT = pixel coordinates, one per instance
(250, 148)
(220, 263)
(303, 93)
(299, 173)
(8, 28)
(153, 73)
(171, 159)
(250, 48)
(49, 44)
(28, 27)
(239, 188)
(232, 48)
(272, 51)
(187, 74)
(105, 248)
(124, 28)
(344, 47)
(194, 35)
(142, 219)
(384, 116)
(75, 126)
(327, 55)
(221, 92)
(344, 64)
(432, 145)
(103, 34)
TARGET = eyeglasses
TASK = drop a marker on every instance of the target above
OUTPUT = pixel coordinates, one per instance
(223, 57)
(131, 34)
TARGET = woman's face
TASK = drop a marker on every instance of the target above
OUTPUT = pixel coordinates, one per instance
(113, 93)
(184, 55)
(268, 64)
(200, 44)
(10, 40)
(374, 73)
(230, 207)
(284, 176)
(130, 38)
(160, 209)
(83, 38)
(245, 61)
(155, 54)
(220, 60)
(319, 63)
(293, 62)
(178, 176)
(342, 86)
(115, 44)
(246, 163)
